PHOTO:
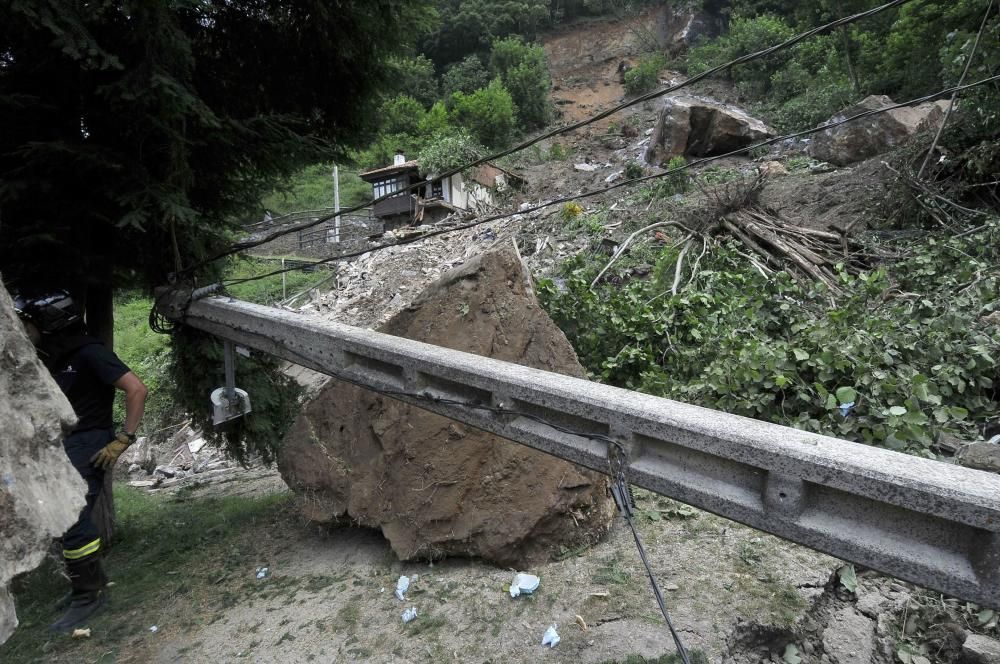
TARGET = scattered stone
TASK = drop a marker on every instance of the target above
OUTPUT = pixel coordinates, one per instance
(586, 168)
(41, 494)
(701, 128)
(981, 456)
(437, 488)
(773, 169)
(861, 139)
(979, 649)
(849, 637)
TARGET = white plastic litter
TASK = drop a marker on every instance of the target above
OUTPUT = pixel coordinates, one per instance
(523, 583)
(401, 587)
(262, 572)
(551, 638)
(154, 629)
(410, 614)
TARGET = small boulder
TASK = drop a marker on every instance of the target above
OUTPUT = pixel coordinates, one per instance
(41, 494)
(849, 637)
(981, 456)
(436, 487)
(700, 128)
(979, 649)
(862, 139)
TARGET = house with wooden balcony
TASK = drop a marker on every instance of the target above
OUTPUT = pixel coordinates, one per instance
(431, 199)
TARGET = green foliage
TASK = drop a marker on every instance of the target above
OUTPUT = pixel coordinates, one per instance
(312, 189)
(435, 120)
(401, 115)
(646, 75)
(909, 52)
(524, 72)
(465, 76)
(158, 577)
(449, 150)
(146, 353)
(415, 77)
(776, 350)
(274, 396)
(634, 170)
(140, 135)
(468, 26)
(570, 211)
(125, 121)
(489, 114)
(557, 152)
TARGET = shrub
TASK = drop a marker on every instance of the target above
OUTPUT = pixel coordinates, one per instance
(489, 114)
(570, 211)
(524, 73)
(449, 150)
(778, 351)
(465, 76)
(634, 170)
(646, 75)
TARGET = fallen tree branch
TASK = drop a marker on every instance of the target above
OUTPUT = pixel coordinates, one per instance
(624, 245)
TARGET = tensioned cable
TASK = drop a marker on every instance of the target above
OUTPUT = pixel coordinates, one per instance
(626, 183)
(242, 246)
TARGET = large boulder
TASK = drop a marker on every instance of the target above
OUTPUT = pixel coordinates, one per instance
(862, 139)
(699, 128)
(689, 23)
(433, 486)
(41, 494)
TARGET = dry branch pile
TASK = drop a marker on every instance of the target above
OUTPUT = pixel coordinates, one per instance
(773, 244)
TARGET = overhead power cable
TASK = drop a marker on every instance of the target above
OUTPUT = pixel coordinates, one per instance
(626, 183)
(242, 246)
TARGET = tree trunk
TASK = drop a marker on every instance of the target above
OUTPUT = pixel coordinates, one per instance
(100, 324)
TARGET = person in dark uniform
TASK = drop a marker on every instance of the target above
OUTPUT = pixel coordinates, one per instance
(88, 373)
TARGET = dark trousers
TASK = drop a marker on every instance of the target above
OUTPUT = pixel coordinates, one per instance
(83, 540)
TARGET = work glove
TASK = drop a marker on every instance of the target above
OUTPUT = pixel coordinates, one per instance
(107, 456)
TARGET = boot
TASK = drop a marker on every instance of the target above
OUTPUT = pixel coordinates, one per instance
(87, 597)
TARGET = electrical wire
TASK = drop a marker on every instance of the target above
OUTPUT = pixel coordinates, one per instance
(242, 246)
(633, 181)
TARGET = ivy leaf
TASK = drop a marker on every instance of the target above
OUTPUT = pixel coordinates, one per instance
(958, 413)
(848, 578)
(791, 655)
(897, 411)
(846, 395)
(800, 355)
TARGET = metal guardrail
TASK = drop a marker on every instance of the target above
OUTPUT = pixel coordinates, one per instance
(924, 521)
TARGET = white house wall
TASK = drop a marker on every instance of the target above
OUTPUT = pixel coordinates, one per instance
(466, 195)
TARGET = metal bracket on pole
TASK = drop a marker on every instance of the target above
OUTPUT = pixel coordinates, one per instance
(229, 402)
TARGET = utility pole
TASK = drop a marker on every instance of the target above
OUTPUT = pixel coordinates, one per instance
(336, 203)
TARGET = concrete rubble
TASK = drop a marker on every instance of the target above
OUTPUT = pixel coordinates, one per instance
(183, 457)
(433, 486)
(41, 494)
(979, 649)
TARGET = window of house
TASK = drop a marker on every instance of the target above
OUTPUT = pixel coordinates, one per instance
(387, 186)
(437, 190)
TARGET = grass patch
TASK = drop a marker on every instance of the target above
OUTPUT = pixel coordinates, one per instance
(425, 624)
(612, 573)
(202, 551)
(269, 289)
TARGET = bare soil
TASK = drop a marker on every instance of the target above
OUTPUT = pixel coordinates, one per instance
(329, 597)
